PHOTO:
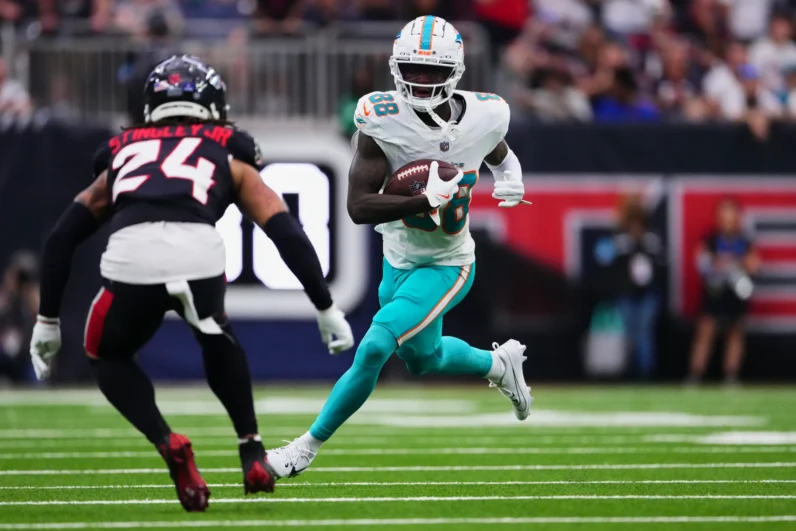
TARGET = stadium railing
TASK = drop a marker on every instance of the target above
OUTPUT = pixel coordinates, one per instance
(300, 77)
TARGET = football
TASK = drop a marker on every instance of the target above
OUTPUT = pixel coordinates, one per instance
(410, 179)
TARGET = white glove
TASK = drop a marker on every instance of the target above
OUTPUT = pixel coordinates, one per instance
(332, 324)
(44, 345)
(508, 190)
(439, 192)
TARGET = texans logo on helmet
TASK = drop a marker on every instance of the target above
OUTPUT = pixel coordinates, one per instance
(417, 188)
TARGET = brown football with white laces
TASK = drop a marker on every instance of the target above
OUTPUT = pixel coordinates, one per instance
(410, 179)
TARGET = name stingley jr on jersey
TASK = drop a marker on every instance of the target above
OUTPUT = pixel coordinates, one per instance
(216, 133)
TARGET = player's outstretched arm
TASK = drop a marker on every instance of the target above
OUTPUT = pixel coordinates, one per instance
(79, 221)
(365, 178)
(265, 208)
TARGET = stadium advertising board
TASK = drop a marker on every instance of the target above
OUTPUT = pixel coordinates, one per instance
(567, 208)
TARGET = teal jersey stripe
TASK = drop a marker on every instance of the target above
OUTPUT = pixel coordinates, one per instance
(425, 36)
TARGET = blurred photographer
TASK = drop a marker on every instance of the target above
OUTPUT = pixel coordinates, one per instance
(636, 264)
(727, 260)
(19, 302)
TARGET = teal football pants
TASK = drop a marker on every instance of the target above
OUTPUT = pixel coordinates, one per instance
(409, 323)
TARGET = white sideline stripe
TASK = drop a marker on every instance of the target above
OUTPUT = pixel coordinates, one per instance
(413, 522)
(434, 451)
(377, 499)
(640, 466)
(422, 484)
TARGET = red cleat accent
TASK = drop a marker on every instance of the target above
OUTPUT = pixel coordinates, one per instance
(259, 478)
(191, 488)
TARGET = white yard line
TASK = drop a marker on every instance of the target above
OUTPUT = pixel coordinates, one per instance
(207, 441)
(411, 522)
(304, 484)
(594, 450)
(348, 431)
(379, 499)
(338, 469)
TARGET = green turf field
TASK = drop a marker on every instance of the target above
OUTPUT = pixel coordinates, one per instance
(420, 458)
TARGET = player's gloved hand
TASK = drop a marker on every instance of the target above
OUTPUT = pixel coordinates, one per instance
(509, 190)
(439, 192)
(335, 331)
(44, 345)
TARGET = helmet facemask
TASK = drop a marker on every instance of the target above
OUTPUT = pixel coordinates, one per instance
(425, 84)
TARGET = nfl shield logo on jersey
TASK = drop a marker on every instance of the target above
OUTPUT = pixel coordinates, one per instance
(417, 188)
(444, 146)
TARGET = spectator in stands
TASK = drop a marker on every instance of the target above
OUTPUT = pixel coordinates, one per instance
(279, 17)
(14, 99)
(600, 77)
(11, 11)
(158, 45)
(570, 18)
(446, 9)
(376, 10)
(675, 90)
(504, 20)
(790, 80)
(82, 16)
(19, 302)
(705, 21)
(142, 18)
(636, 261)
(726, 259)
(773, 52)
(633, 18)
(325, 12)
(362, 84)
(747, 18)
(552, 97)
(753, 104)
(623, 102)
(721, 83)
(218, 18)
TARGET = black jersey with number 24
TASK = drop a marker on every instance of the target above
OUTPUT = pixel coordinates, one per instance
(177, 173)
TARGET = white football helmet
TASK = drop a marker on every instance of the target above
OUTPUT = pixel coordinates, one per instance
(430, 41)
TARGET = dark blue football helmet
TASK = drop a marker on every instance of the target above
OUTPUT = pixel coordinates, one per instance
(184, 87)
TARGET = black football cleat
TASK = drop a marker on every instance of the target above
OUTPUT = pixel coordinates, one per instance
(191, 488)
(258, 476)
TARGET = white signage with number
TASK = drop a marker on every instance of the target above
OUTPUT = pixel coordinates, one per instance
(281, 296)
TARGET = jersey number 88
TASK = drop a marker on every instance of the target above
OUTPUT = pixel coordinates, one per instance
(454, 215)
(383, 104)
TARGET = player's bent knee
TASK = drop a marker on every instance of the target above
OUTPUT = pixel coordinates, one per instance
(376, 347)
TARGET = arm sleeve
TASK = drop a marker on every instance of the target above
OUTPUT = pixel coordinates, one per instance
(75, 225)
(299, 255)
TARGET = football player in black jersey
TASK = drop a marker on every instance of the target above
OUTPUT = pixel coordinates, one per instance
(162, 186)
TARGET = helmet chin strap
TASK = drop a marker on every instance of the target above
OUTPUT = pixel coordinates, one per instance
(445, 126)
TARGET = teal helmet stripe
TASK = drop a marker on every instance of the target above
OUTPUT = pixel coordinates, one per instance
(426, 34)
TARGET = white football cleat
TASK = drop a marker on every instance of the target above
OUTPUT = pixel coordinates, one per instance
(512, 385)
(292, 459)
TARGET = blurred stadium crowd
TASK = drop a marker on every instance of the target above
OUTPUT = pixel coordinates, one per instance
(583, 60)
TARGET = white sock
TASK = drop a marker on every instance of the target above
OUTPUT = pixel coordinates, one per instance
(497, 371)
(312, 443)
(255, 438)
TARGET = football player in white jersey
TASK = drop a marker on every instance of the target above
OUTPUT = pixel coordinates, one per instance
(429, 260)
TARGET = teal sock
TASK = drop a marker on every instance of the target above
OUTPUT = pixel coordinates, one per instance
(457, 357)
(356, 385)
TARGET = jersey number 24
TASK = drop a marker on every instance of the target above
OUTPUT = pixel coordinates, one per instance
(133, 156)
(454, 215)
